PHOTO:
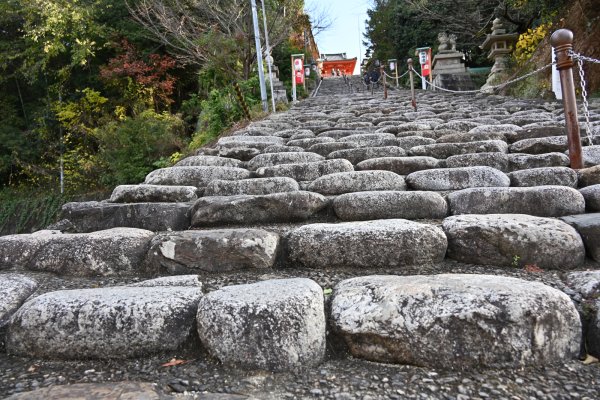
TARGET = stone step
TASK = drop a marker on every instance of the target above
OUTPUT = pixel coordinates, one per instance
(445, 150)
(355, 156)
(389, 243)
(541, 201)
(219, 250)
(308, 171)
(471, 321)
(194, 176)
(457, 178)
(255, 186)
(209, 161)
(549, 176)
(247, 209)
(398, 165)
(357, 181)
(153, 194)
(272, 159)
(96, 216)
(513, 240)
(117, 251)
(117, 322)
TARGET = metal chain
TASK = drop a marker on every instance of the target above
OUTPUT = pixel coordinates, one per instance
(578, 57)
(586, 108)
(491, 88)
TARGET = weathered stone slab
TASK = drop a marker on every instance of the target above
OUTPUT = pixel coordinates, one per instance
(340, 133)
(115, 322)
(308, 142)
(15, 290)
(534, 133)
(541, 201)
(465, 137)
(588, 226)
(498, 161)
(212, 250)
(256, 142)
(306, 171)
(398, 165)
(95, 216)
(586, 283)
(408, 142)
(117, 251)
(591, 155)
(421, 125)
(275, 325)
(390, 204)
(365, 153)
(278, 207)
(325, 148)
(457, 178)
(471, 321)
(371, 139)
(557, 176)
(153, 194)
(589, 176)
(513, 240)
(302, 134)
(505, 129)
(357, 181)
(194, 176)
(94, 391)
(540, 145)
(445, 150)
(256, 186)
(16, 251)
(459, 125)
(280, 148)
(271, 159)
(209, 161)
(591, 194)
(240, 153)
(382, 243)
(170, 281)
(519, 161)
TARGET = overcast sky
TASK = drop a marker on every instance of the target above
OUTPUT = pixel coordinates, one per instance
(348, 19)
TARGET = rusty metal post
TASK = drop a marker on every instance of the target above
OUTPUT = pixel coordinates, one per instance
(382, 72)
(562, 41)
(412, 86)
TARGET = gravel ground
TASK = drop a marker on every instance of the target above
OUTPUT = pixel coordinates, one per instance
(339, 377)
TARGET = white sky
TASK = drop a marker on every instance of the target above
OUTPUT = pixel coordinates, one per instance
(348, 20)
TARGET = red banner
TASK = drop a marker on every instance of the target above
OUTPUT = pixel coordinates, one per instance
(425, 60)
(299, 70)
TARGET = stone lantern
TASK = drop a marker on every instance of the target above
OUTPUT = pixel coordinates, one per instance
(500, 45)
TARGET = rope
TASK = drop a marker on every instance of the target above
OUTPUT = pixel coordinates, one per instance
(316, 91)
(490, 88)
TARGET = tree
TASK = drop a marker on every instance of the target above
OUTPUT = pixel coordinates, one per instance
(215, 34)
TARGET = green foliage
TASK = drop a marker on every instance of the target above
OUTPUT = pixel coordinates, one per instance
(131, 148)
(21, 212)
(221, 110)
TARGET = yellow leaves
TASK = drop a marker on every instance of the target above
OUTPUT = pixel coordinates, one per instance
(528, 42)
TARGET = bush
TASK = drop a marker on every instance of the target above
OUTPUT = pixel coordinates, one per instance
(131, 148)
(221, 110)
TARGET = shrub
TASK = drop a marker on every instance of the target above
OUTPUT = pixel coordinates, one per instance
(131, 148)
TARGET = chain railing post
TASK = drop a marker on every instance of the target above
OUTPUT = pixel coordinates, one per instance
(412, 86)
(562, 41)
(382, 74)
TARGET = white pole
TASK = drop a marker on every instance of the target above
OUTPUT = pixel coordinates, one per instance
(556, 88)
(261, 73)
(293, 81)
(268, 54)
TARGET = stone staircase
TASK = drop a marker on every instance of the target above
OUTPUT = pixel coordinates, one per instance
(452, 239)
